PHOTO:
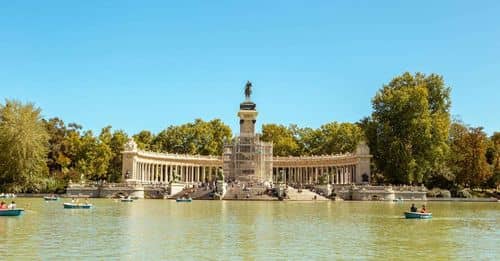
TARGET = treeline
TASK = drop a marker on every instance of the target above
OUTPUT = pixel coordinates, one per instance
(197, 138)
(331, 138)
(410, 133)
(44, 155)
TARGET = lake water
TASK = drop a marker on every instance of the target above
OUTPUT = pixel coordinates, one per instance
(220, 230)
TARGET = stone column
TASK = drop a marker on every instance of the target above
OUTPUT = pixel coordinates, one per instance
(137, 177)
(354, 174)
(343, 175)
(168, 176)
(143, 171)
(163, 173)
(156, 173)
(151, 169)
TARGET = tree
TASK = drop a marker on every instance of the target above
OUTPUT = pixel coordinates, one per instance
(409, 129)
(339, 138)
(57, 160)
(495, 160)
(199, 137)
(309, 140)
(23, 147)
(493, 153)
(282, 138)
(144, 140)
(117, 145)
(93, 157)
(468, 155)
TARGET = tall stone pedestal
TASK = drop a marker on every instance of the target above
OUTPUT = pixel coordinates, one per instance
(175, 188)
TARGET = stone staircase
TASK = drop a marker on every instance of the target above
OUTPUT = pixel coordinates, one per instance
(236, 192)
(194, 193)
(294, 194)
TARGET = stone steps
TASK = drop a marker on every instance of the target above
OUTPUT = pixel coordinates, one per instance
(293, 194)
(253, 193)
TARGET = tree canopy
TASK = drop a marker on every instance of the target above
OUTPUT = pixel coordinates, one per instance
(330, 138)
(409, 127)
(23, 147)
(198, 138)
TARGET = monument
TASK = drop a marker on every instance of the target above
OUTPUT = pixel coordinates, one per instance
(246, 158)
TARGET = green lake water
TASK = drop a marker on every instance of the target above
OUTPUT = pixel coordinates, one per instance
(220, 230)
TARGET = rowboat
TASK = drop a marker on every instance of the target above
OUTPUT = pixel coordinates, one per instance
(417, 215)
(77, 206)
(8, 195)
(184, 200)
(11, 212)
(126, 200)
(51, 198)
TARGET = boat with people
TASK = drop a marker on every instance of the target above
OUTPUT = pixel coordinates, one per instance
(399, 200)
(51, 198)
(127, 199)
(7, 195)
(184, 200)
(77, 205)
(11, 212)
(417, 215)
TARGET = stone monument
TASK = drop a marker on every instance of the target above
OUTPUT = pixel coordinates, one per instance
(246, 157)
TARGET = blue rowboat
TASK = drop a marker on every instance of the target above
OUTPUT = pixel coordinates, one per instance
(127, 200)
(11, 212)
(184, 200)
(51, 198)
(77, 206)
(416, 215)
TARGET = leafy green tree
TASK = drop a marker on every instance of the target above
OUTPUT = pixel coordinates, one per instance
(495, 160)
(93, 157)
(309, 140)
(495, 140)
(23, 147)
(468, 155)
(117, 145)
(199, 137)
(282, 138)
(144, 140)
(339, 138)
(57, 159)
(409, 128)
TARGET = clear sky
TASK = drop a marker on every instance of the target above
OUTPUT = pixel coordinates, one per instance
(149, 64)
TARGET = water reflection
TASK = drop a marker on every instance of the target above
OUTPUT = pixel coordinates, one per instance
(221, 230)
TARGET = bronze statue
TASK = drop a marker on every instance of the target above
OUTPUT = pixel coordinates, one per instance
(248, 90)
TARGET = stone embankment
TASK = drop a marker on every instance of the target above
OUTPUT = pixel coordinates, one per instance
(294, 194)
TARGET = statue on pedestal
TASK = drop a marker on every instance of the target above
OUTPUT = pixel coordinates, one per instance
(248, 90)
(131, 145)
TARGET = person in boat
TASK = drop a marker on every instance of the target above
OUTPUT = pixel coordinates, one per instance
(413, 208)
(423, 210)
(3, 205)
(12, 205)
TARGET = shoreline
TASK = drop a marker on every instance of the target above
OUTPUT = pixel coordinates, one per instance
(471, 200)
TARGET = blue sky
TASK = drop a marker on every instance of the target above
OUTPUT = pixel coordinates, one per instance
(150, 64)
